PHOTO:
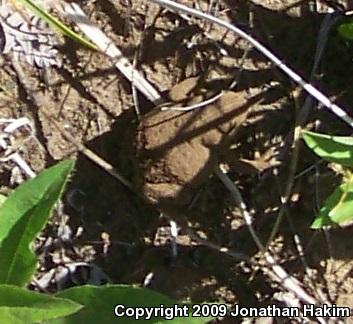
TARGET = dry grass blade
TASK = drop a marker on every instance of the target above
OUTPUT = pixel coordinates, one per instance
(278, 273)
(75, 13)
(338, 111)
(326, 26)
(39, 12)
(40, 103)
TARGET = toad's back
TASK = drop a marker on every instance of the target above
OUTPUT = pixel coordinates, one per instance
(177, 150)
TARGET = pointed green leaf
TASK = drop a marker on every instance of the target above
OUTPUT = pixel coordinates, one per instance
(338, 207)
(22, 306)
(100, 302)
(57, 24)
(338, 149)
(22, 216)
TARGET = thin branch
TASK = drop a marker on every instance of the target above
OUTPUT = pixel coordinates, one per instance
(278, 273)
(106, 45)
(39, 101)
(213, 246)
(338, 111)
(196, 106)
(301, 119)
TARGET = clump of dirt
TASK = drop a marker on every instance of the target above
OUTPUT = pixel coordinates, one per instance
(169, 155)
(177, 150)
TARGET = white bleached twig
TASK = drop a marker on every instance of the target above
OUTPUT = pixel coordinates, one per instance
(14, 124)
(15, 157)
(174, 234)
(283, 278)
(198, 105)
(23, 165)
(106, 45)
(338, 111)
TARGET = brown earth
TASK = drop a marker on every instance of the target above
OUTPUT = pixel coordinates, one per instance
(169, 155)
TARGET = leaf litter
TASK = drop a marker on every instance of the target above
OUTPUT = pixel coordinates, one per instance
(94, 104)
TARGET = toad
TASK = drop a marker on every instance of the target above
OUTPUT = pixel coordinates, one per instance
(177, 148)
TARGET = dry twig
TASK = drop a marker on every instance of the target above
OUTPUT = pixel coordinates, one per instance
(338, 111)
(76, 14)
(278, 273)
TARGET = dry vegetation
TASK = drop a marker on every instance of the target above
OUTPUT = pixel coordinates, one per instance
(161, 151)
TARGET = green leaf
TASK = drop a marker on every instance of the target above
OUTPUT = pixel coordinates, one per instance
(346, 30)
(100, 302)
(22, 216)
(57, 24)
(2, 199)
(338, 149)
(22, 306)
(338, 207)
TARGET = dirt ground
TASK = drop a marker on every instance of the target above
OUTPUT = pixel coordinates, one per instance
(123, 234)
